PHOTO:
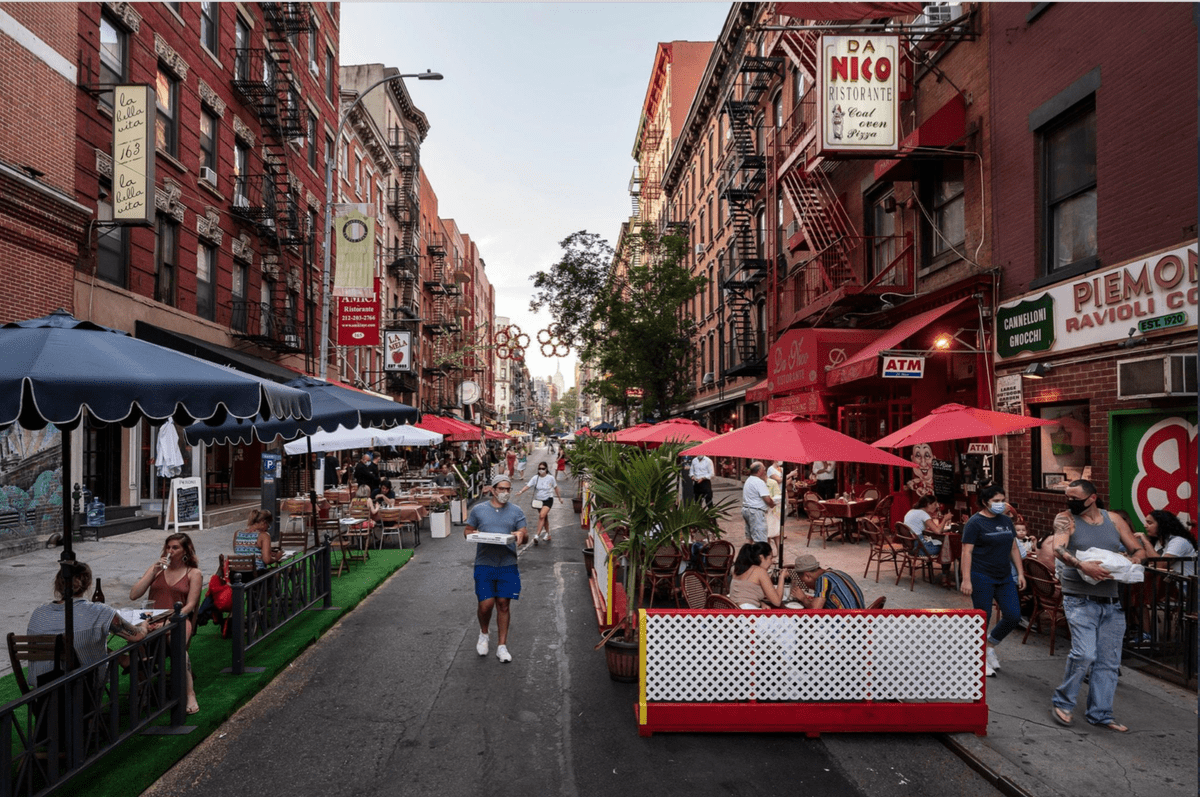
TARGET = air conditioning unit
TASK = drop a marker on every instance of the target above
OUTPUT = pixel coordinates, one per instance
(208, 175)
(699, 250)
(931, 18)
(1151, 377)
(709, 378)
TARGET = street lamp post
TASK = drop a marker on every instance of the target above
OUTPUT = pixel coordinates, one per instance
(337, 142)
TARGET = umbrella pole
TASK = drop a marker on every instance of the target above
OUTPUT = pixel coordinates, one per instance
(782, 518)
(312, 494)
(67, 559)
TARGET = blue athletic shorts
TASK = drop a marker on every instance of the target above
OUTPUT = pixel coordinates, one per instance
(497, 582)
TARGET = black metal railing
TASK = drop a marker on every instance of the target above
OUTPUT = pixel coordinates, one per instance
(259, 323)
(263, 605)
(1160, 621)
(57, 730)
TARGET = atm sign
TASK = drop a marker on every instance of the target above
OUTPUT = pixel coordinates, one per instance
(903, 367)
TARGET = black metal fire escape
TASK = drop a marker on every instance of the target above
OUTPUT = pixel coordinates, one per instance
(744, 178)
(268, 200)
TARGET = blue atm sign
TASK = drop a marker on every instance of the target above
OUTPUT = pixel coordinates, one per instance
(903, 367)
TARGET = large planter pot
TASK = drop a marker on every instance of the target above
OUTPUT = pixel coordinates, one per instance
(577, 505)
(439, 525)
(622, 660)
(589, 559)
(458, 511)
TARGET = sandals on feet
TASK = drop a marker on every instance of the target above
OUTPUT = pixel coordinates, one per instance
(1111, 725)
(193, 708)
(1061, 717)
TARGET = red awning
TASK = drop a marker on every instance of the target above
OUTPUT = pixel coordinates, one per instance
(758, 392)
(847, 12)
(866, 362)
(946, 126)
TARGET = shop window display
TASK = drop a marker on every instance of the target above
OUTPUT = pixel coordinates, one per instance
(1061, 451)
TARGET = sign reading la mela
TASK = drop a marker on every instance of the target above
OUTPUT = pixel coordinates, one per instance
(1152, 295)
(857, 93)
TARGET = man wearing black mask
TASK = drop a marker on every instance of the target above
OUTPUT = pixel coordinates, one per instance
(1093, 610)
(367, 472)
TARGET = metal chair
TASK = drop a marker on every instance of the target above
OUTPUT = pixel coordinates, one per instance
(694, 589)
(868, 492)
(909, 558)
(883, 549)
(1047, 599)
(879, 602)
(819, 523)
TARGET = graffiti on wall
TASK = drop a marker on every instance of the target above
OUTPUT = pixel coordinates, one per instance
(30, 482)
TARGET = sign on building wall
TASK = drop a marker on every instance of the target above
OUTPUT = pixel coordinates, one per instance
(1154, 463)
(397, 350)
(1010, 394)
(358, 320)
(354, 233)
(133, 154)
(1151, 295)
(857, 93)
(800, 358)
(903, 367)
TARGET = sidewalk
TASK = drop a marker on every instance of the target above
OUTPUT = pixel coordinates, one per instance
(1024, 745)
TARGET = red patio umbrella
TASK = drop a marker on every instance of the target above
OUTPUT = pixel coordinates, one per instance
(956, 422)
(453, 429)
(675, 430)
(792, 438)
(621, 435)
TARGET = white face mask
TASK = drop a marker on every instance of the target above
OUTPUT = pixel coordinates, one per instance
(502, 496)
(998, 508)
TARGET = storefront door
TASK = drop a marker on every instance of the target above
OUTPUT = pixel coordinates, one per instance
(1152, 462)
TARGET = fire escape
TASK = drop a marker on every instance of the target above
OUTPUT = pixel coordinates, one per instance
(439, 321)
(403, 258)
(267, 200)
(744, 179)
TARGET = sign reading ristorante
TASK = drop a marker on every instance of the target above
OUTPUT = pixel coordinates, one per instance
(857, 93)
(1152, 294)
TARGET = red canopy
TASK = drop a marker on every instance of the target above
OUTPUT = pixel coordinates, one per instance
(675, 430)
(792, 438)
(623, 435)
(454, 430)
(956, 422)
(847, 12)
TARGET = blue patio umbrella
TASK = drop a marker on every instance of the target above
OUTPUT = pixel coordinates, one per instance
(56, 367)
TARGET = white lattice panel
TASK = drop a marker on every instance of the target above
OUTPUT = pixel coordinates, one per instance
(803, 657)
(600, 562)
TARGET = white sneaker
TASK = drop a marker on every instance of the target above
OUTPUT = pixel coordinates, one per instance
(503, 654)
(988, 671)
(993, 661)
(481, 647)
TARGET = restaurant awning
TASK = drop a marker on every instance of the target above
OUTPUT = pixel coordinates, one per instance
(945, 127)
(847, 12)
(758, 392)
(213, 352)
(865, 363)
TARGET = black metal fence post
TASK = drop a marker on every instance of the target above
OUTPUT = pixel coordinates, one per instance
(179, 666)
(239, 624)
(327, 571)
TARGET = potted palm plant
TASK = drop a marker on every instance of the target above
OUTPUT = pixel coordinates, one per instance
(637, 490)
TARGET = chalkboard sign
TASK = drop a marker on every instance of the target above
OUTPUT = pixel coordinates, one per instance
(187, 496)
(943, 480)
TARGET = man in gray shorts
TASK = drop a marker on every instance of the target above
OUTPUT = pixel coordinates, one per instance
(756, 500)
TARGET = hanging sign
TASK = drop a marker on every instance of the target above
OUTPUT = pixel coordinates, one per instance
(634, 392)
(981, 448)
(857, 94)
(397, 346)
(358, 320)
(354, 234)
(903, 367)
(134, 112)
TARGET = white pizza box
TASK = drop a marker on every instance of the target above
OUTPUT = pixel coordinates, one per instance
(491, 538)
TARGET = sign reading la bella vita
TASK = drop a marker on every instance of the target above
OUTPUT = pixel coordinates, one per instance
(134, 112)
(1149, 295)
(858, 93)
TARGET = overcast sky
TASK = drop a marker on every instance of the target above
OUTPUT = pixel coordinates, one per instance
(532, 128)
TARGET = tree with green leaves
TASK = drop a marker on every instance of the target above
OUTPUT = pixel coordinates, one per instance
(624, 311)
(565, 409)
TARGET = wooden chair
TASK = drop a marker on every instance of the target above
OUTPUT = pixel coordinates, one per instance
(390, 525)
(721, 602)
(819, 523)
(883, 548)
(882, 513)
(217, 487)
(695, 589)
(868, 492)
(238, 563)
(716, 558)
(24, 650)
(879, 602)
(293, 535)
(908, 557)
(1047, 599)
(664, 569)
(332, 528)
(359, 535)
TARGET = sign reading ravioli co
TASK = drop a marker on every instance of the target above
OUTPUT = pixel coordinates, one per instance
(133, 154)
(1156, 294)
(903, 367)
(857, 93)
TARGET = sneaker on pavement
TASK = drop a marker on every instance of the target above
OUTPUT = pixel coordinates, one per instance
(988, 671)
(993, 661)
(481, 647)
(503, 654)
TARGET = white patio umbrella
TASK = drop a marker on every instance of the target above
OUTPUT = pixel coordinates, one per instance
(363, 437)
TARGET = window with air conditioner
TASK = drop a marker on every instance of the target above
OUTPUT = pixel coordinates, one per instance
(1172, 375)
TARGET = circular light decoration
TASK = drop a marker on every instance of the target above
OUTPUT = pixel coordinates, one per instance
(522, 340)
(562, 350)
(502, 337)
(547, 349)
(503, 352)
(551, 341)
(543, 336)
(518, 353)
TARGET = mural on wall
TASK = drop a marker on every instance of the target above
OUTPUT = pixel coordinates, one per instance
(30, 482)
(1166, 470)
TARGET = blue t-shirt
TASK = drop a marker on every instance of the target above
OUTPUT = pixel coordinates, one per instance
(506, 520)
(993, 540)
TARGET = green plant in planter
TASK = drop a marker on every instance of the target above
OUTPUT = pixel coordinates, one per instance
(444, 506)
(637, 489)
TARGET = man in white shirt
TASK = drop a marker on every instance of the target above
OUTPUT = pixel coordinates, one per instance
(756, 500)
(702, 473)
(823, 473)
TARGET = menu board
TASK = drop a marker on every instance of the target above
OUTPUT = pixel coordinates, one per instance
(943, 480)
(187, 497)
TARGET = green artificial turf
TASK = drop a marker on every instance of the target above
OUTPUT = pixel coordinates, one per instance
(140, 761)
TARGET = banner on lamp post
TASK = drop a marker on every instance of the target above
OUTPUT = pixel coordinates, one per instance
(354, 269)
(358, 320)
(134, 113)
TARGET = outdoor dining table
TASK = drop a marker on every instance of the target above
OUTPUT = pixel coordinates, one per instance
(951, 553)
(411, 512)
(848, 512)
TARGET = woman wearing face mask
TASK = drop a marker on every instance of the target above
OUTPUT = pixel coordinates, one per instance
(989, 544)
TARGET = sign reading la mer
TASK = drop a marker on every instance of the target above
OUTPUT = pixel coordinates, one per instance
(1102, 307)
(903, 367)
(857, 82)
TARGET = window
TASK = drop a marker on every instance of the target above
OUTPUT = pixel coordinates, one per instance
(209, 24)
(241, 188)
(238, 294)
(700, 230)
(165, 255)
(112, 249)
(241, 45)
(1062, 451)
(881, 229)
(949, 223)
(777, 109)
(206, 281)
(312, 140)
(330, 78)
(313, 66)
(208, 140)
(166, 131)
(1069, 189)
(113, 50)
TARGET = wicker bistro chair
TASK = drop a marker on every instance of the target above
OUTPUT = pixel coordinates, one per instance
(882, 513)
(694, 589)
(883, 548)
(721, 602)
(878, 603)
(664, 570)
(1047, 600)
(868, 492)
(909, 558)
(716, 559)
(819, 523)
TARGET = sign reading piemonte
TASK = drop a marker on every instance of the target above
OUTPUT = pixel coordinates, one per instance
(354, 234)
(134, 112)
(1151, 295)
(857, 93)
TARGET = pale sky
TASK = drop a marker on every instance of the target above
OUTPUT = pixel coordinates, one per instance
(530, 132)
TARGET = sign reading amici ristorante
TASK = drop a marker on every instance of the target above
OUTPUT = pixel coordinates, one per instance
(133, 154)
(354, 236)
(858, 94)
(1153, 295)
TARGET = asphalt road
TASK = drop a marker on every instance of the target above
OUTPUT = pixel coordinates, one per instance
(395, 700)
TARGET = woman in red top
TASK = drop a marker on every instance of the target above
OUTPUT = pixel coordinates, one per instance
(562, 465)
(175, 578)
(511, 459)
